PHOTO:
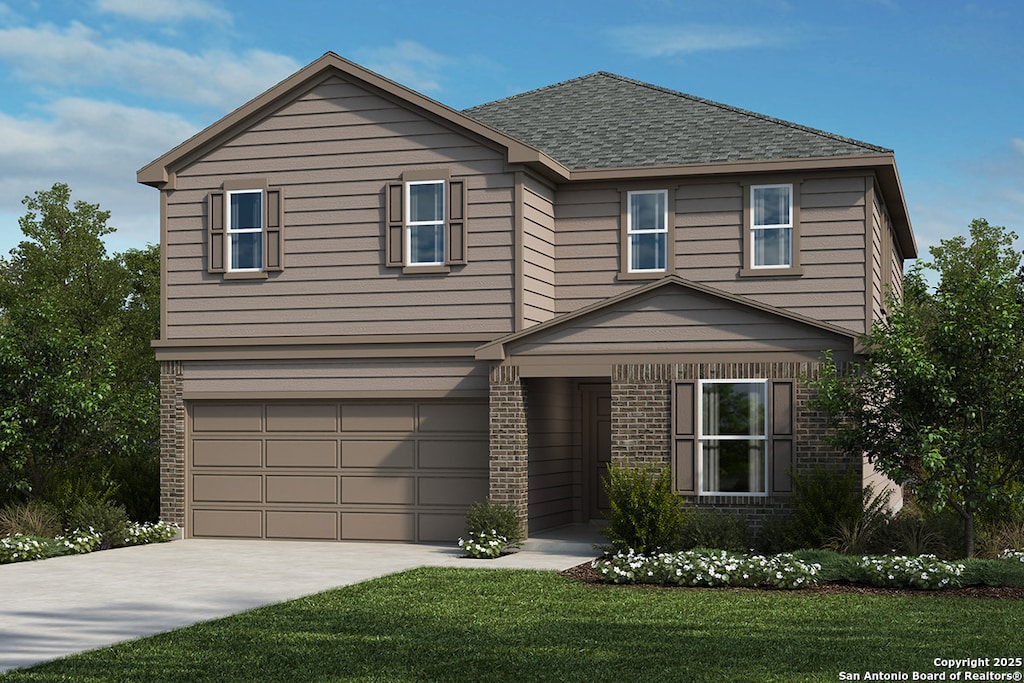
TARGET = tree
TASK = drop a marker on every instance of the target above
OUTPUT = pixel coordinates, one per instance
(78, 381)
(939, 402)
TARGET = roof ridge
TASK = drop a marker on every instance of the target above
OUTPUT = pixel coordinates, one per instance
(745, 112)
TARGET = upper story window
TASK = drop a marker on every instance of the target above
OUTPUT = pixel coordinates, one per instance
(647, 231)
(425, 222)
(771, 209)
(245, 230)
(733, 437)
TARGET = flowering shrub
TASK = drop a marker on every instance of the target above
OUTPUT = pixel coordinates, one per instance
(922, 571)
(19, 548)
(80, 542)
(1009, 554)
(483, 544)
(140, 534)
(708, 568)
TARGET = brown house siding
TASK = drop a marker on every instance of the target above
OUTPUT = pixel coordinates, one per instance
(708, 247)
(554, 490)
(332, 151)
(538, 258)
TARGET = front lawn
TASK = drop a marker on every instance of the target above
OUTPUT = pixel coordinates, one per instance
(436, 624)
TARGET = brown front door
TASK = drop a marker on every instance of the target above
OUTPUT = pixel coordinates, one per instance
(597, 445)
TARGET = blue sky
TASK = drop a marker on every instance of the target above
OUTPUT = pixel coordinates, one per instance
(92, 90)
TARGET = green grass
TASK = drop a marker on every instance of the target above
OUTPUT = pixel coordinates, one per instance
(511, 626)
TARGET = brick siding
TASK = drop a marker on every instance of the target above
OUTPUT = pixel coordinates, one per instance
(172, 443)
(509, 442)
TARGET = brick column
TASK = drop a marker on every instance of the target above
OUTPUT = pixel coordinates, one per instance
(640, 414)
(172, 443)
(509, 443)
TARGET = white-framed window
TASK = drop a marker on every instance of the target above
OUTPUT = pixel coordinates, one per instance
(647, 230)
(425, 222)
(245, 230)
(771, 228)
(732, 417)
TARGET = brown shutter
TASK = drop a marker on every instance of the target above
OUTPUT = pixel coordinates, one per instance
(684, 436)
(456, 228)
(394, 229)
(273, 232)
(215, 232)
(782, 394)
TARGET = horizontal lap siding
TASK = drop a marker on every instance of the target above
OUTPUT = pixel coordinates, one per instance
(538, 253)
(554, 489)
(709, 246)
(333, 151)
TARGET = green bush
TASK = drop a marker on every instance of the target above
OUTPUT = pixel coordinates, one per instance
(645, 515)
(776, 534)
(993, 572)
(824, 500)
(107, 519)
(33, 518)
(715, 529)
(493, 518)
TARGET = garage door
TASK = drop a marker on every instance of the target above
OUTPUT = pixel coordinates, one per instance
(387, 471)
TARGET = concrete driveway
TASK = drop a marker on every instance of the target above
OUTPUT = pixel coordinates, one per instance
(64, 605)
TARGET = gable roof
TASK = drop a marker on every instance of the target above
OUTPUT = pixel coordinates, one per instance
(496, 350)
(603, 121)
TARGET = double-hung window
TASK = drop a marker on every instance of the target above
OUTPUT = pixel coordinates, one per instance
(771, 211)
(733, 437)
(425, 222)
(647, 231)
(245, 230)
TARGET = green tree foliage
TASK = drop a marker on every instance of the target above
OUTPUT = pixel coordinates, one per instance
(939, 402)
(79, 385)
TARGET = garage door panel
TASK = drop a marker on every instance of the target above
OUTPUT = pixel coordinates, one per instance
(286, 417)
(378, 490)
(378, 526)
(378, 454)
(295, 453)
(217, 488)
(226, 453)
(443, 528)
(300, 489)
(451, 490)
(378, 417)
(452, 417)
(315, 526)
(453, 454)
(227, 523)
(227, 417)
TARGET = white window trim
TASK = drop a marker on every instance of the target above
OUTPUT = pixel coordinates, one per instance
(228, 231)
(630, 231)
(410, 224)
(701, 437)
(781, 226)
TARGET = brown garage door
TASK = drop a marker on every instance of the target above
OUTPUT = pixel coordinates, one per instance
(390, 471)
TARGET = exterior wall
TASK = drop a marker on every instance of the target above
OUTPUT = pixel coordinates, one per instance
(538, 252)
(641, 424)
(332, 151)
(886, 258)
(709, 244)
(509, 442)
(172, 443)
(554, 459)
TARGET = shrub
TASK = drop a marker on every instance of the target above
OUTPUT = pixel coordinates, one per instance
(824, 498)
(481, 544)
(1008, 554)
(860, 533)
(924, 571)
(149, 532)
(776, 534)
(645, 514)
(710, 568)
(715, 529)
(488, 520)
(34, 518)
(20, 548)
(106, 519)
(79, 542)
(1000, 536)
(1005, 571)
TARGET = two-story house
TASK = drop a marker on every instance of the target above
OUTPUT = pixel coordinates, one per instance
(377, 310)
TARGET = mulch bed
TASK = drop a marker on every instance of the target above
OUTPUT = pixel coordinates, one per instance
(584, 574)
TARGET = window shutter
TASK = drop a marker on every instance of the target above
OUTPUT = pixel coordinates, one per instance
(273, 233)
(684, 436)
(394, 230)
(456, 235)
(782, 435)
(215, 232)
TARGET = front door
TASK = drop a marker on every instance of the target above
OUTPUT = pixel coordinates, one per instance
(597, 445)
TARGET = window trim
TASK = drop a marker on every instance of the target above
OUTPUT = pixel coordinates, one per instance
(701, 437)
(625, 223)
(747, 267)
(409, 224)
(631, 230)
(229, 230)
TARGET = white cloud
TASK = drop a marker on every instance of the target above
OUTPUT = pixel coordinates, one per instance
(77, 56)
(407, 62)
(668, 41)
(1017, 144)
(95, 147)
(163, 10)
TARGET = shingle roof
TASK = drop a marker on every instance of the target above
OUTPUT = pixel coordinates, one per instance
(606, 121)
